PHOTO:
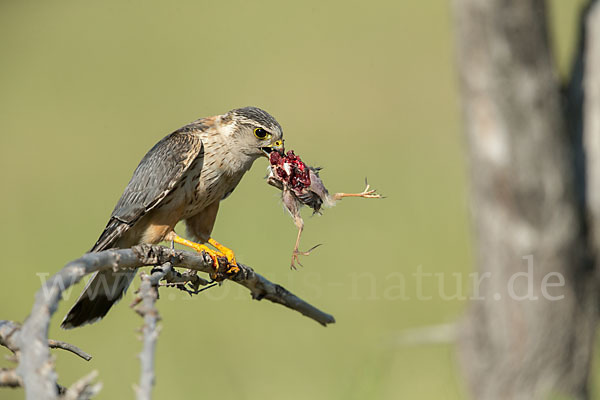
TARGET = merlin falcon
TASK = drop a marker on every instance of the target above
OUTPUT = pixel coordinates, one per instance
(183, 177)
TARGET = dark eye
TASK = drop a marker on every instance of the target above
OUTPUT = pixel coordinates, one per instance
(261, 133)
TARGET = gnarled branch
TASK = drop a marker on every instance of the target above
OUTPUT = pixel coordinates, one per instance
(36, 368)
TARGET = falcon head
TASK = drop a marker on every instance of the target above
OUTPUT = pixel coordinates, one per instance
(255, 131)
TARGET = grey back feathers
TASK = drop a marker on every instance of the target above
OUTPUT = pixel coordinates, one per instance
(155, 176)
(153, 179)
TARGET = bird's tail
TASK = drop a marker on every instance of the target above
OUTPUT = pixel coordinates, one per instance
(102, 291)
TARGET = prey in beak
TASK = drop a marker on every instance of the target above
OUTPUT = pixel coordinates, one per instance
(302, 185)
(277, 146)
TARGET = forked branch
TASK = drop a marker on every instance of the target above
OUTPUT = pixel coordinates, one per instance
(36, 368)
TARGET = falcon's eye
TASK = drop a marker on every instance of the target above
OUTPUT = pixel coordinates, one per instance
(261, 133)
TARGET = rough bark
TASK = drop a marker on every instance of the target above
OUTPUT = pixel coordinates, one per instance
(527, 181)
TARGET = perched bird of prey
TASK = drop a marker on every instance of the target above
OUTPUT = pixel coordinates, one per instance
(183, 177)
(302, 185)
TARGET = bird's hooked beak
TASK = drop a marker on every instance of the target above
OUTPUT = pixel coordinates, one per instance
(277, 146)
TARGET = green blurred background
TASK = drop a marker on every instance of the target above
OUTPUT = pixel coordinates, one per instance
(362, 89)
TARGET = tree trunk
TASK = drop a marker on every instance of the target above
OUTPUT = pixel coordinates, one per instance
(531, 333)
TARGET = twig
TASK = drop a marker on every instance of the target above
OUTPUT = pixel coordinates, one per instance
(9, 378)
(35, 366)
(10, 331)
(9, 338)
(83, 388)
(57, 344)
(259, 286)
(180, 279)
(148, 293)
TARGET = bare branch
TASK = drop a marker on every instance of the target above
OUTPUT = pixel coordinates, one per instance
(180, 279)
(262, 288)
(9, 338)
(36, 367)
(57, 344)
(9, 332)
(148, 293)
(83, 388)
(259, 286)
(9, 378)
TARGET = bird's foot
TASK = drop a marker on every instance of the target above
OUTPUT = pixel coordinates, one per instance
(228, 254)
(296, 253)
(214, 255)
(223, 258)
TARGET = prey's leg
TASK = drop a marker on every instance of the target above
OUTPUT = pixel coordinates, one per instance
(368, 193)
(295, 259)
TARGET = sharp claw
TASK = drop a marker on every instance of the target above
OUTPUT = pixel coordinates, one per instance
(370, 194)
(296, 253)
(295, 260)
(312, 248)
(233, 269)
(214, 259)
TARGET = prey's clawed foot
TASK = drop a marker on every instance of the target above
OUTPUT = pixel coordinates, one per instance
(296, 253)
(368, 193)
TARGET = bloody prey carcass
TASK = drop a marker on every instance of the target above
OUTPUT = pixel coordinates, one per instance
(302, 185)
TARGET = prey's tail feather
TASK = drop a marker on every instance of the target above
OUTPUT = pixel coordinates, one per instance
(102, 291)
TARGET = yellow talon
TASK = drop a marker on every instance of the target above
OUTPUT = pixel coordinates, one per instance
(223, 252)
(214, 255)
(227, 252)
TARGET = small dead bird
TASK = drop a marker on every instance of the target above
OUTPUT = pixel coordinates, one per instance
(301, 185)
